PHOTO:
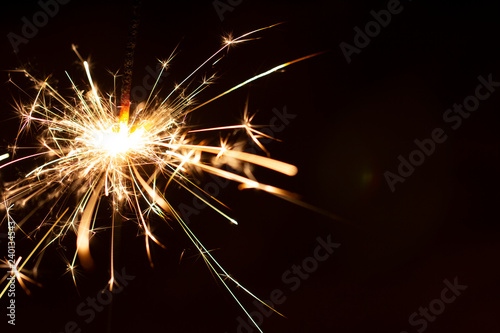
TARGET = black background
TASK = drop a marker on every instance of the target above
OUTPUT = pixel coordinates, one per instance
(353, 120)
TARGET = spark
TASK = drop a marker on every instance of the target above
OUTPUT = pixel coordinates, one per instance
(16, 272)
(92, 153)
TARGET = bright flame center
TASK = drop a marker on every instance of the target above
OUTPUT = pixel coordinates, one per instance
(119, 139)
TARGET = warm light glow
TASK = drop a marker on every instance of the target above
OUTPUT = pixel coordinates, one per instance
(91, 152)
(119, 141)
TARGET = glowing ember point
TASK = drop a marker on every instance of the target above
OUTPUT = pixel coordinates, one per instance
(119, 139)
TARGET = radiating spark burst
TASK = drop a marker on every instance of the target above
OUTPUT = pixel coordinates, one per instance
(91, 153)
(15, 272)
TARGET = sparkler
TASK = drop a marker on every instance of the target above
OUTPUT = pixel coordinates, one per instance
(91, 153)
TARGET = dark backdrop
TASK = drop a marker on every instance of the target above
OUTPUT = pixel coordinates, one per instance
(352, 121)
